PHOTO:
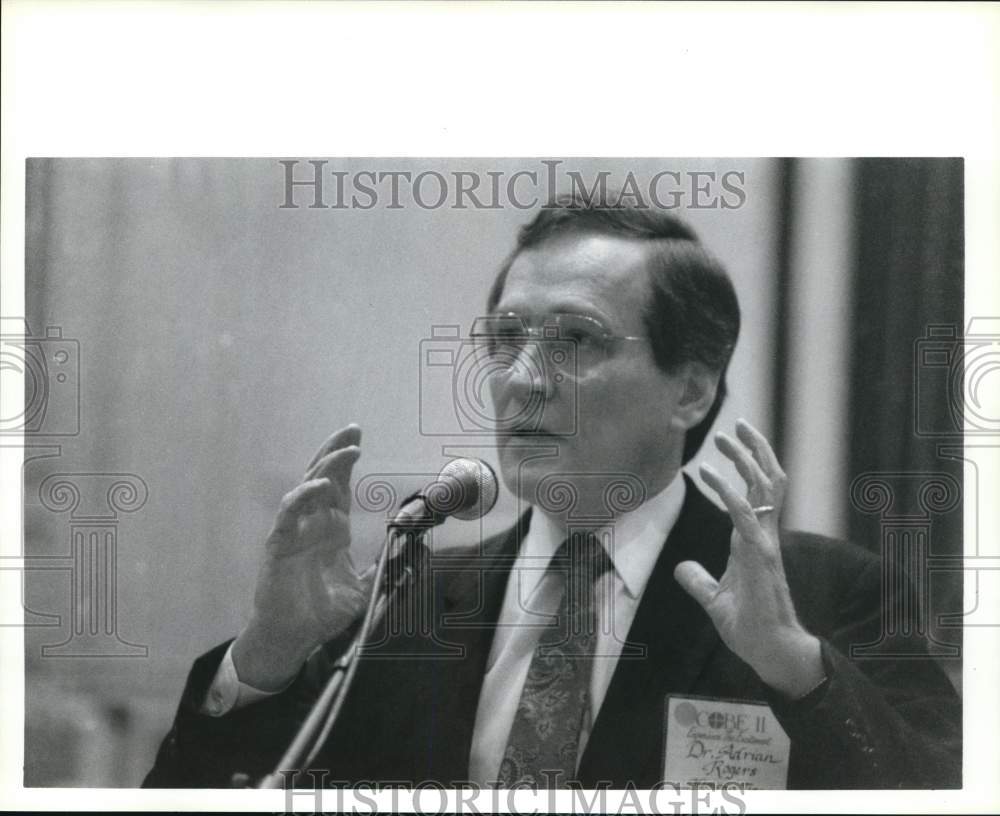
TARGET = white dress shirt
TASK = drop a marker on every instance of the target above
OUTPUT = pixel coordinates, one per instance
(633, 542)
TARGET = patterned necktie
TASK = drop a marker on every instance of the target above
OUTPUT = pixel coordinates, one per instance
(544, 739)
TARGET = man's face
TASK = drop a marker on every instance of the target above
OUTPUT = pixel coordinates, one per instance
(623, 404)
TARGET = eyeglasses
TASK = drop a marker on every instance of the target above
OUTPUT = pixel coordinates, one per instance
(573, 343)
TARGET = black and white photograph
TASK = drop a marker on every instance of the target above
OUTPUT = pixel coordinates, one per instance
(475, 481)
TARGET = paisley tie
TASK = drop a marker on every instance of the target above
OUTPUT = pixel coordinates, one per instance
(544, 738)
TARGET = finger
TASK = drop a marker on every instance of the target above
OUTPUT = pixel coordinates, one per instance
(746, 465)
(697, 582)
(348, 435)
(337, 467)
(367, 578)
(761, 449)
(740, 510)
(332, 465)
(300, 501)
(345, 561)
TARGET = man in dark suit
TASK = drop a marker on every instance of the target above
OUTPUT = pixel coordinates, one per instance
(551, 650)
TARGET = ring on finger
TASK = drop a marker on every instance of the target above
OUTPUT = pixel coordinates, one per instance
(764, 509)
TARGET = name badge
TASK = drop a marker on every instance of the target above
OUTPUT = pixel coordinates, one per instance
(711, 741)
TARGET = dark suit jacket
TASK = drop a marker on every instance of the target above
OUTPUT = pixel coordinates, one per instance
(876, 723)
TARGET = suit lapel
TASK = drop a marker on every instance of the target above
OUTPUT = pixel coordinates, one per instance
(677, 635)
(472, 587)
(678, 638)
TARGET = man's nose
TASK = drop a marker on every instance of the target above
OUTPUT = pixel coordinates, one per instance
(530, 373)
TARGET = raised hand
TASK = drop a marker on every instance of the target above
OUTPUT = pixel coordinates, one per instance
(751, 605)
(308, 589)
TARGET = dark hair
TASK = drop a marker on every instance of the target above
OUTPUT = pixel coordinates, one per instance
(692, 312)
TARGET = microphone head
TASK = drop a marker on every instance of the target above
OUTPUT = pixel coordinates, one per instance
(466, 489)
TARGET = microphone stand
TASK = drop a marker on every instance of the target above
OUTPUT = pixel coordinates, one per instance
(313, 732)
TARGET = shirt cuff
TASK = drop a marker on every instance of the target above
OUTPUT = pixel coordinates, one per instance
(228, 692)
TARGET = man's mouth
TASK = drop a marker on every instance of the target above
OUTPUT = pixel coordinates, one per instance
(528, 433)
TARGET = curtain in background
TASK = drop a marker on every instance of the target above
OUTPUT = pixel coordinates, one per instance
(905, 439)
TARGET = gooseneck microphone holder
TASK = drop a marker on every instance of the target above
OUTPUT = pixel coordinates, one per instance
(401, 549)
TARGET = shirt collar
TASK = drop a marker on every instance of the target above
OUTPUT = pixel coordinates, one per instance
(636, 537)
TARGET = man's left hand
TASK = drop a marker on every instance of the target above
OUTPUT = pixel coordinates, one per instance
(751, 605)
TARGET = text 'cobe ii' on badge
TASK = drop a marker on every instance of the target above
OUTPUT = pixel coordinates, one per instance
(714, 742)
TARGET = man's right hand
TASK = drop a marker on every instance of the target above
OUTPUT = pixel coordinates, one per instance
(308, 589)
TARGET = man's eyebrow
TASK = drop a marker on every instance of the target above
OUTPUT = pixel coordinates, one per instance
(561, 308)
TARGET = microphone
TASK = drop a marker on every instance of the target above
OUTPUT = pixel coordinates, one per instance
(465, 488)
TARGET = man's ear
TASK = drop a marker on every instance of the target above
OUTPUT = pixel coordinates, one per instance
(699, 385)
